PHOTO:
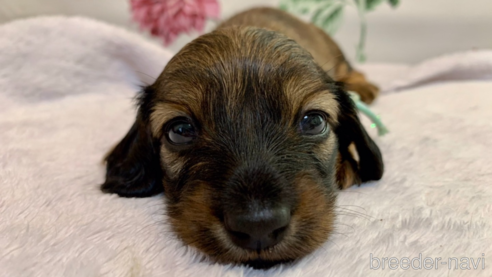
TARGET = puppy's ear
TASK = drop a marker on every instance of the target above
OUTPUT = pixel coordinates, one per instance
(133, 166)
(359, 157)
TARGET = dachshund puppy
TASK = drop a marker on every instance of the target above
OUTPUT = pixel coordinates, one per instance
(249, 133)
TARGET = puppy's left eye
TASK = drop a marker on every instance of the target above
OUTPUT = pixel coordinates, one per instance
(313, 123)
(180, 131)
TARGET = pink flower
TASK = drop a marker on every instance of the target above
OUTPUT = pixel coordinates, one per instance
(169, 18)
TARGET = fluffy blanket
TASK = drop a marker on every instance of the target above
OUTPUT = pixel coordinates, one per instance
(66, 89)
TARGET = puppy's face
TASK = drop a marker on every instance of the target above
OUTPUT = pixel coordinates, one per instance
(249, 139)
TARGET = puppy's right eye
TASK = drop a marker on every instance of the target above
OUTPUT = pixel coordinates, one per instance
(180, 131)
(313, 123)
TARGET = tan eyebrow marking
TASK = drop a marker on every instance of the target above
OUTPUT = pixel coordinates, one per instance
(172, 162)
(323, 101)
(162, 113)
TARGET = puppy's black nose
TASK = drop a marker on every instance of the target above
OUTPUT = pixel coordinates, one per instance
(259, 229)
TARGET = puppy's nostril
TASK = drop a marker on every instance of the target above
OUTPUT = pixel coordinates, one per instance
(278, 233)
(240, 235)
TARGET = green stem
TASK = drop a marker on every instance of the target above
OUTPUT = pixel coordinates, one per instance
(361, 5)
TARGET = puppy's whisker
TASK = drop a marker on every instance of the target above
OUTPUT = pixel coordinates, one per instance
(336, 57)
(153, 78)
(340, 223)
(364, 212)
(343, 211)
(330, 241)
(352, 211)
(356, 206)
(358, 215)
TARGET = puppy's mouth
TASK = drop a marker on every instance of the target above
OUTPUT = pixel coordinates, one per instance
(265, 258)
(265, 264)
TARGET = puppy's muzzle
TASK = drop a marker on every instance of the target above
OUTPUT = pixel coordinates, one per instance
(258, 228)
(261, 213)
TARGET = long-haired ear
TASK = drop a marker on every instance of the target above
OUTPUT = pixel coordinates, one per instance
(359, 157)
(133, 166)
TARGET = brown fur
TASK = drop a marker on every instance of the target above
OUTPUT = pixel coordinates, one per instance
(246, 87)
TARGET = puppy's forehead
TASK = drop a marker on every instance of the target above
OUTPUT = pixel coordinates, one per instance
(239, 71)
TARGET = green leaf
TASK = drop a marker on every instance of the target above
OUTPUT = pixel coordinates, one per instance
(285, 5)
(298, 6)
(304, 10)
(330, 18)
(372, 4)
(315, 18)
(394, 3)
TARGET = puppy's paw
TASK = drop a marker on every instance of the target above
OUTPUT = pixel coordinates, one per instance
(358, 83)
(367, 91)
(127, 189)
(115, 186)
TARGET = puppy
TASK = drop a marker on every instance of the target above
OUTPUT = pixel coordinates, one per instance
(249, 133)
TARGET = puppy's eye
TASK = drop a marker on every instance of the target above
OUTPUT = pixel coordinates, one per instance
(313, 123)
(180, 131)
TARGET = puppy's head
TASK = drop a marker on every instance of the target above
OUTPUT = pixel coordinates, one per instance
(249, 139)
